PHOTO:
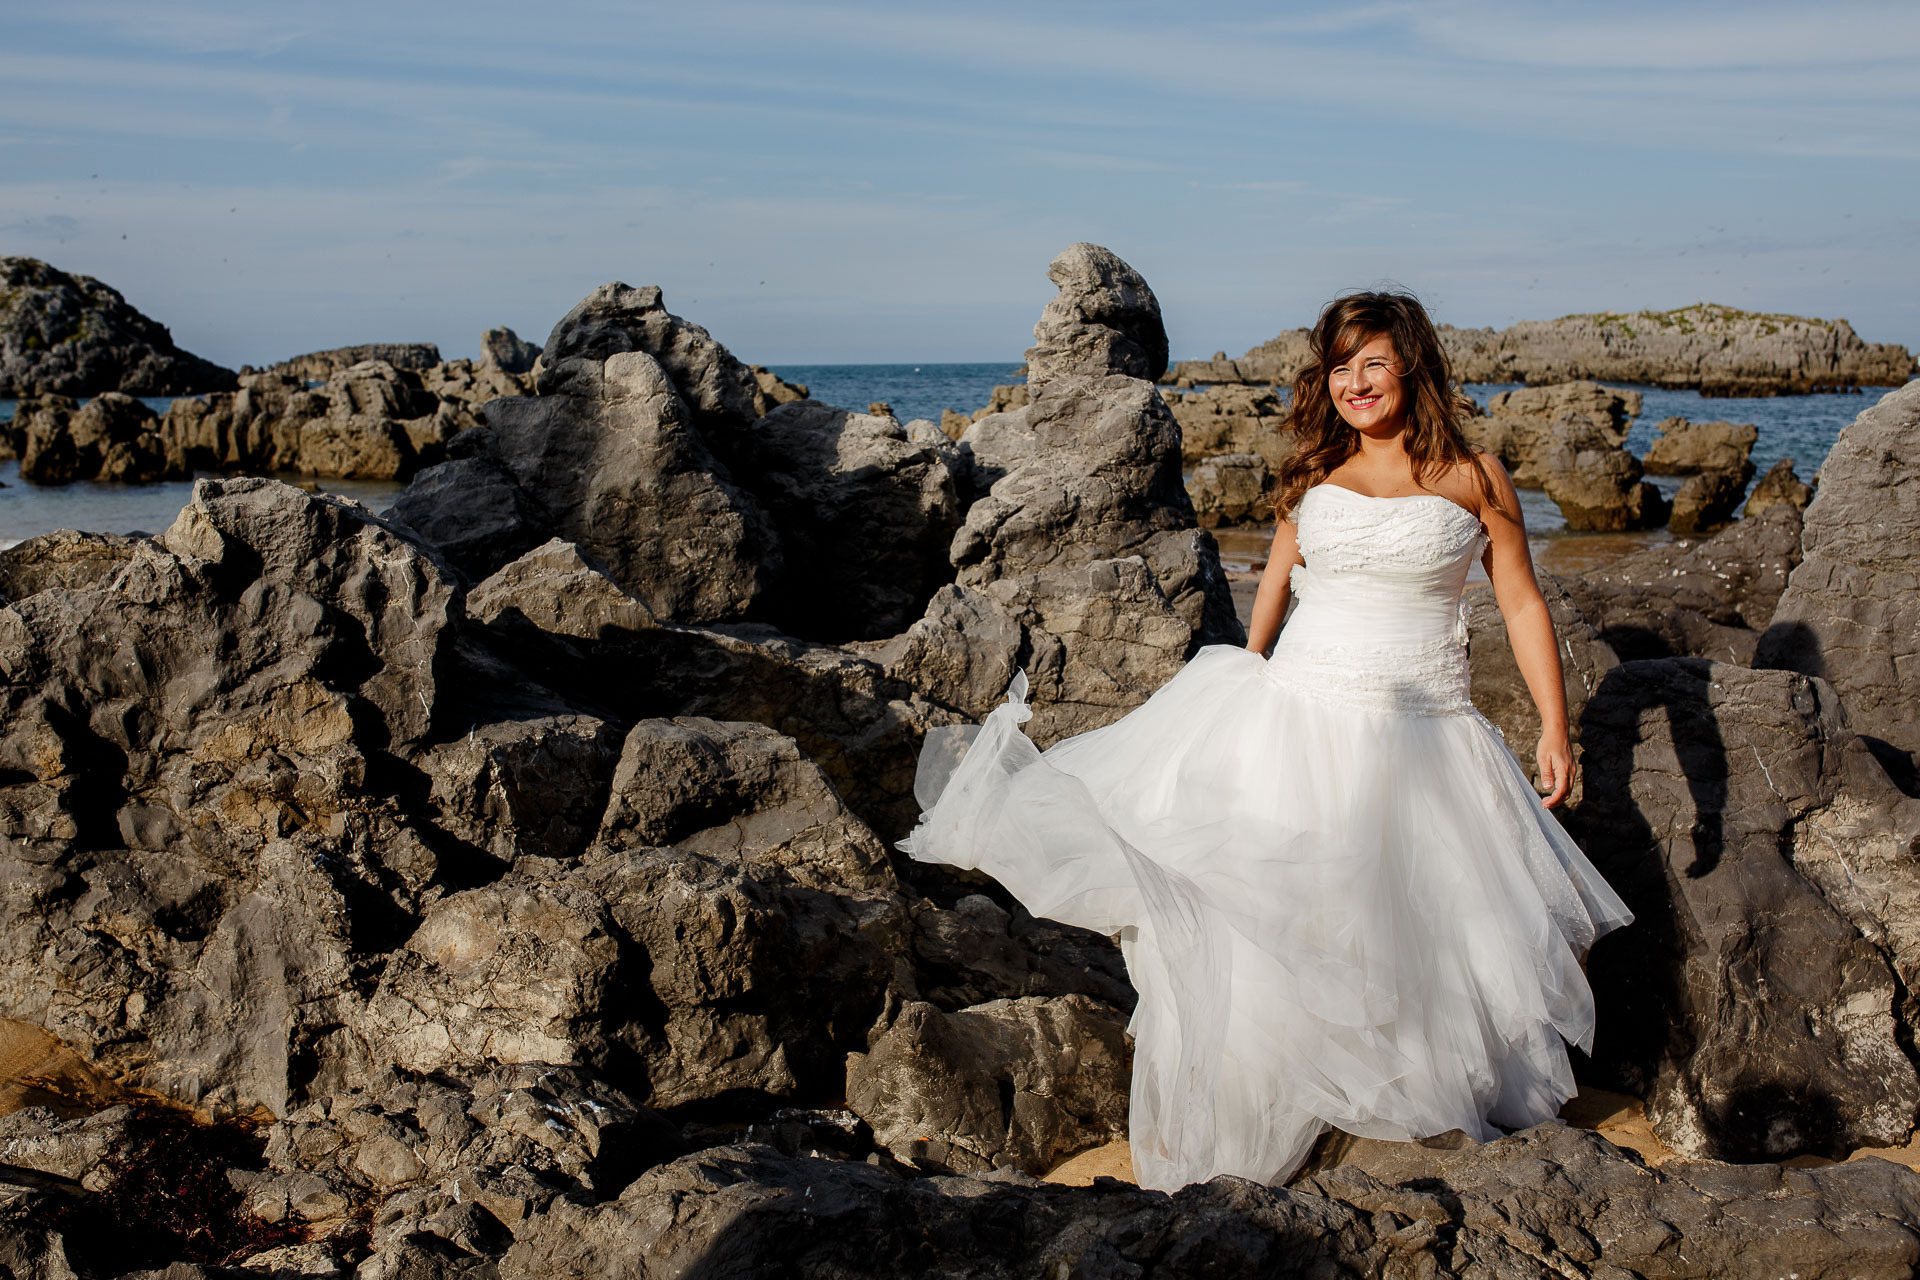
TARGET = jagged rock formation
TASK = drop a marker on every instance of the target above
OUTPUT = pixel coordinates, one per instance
(1717, 350)
(1524, 428)
(72, 335)
(546, 931)
(1851, 613)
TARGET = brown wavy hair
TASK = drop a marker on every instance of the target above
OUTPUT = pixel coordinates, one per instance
(1434, 438)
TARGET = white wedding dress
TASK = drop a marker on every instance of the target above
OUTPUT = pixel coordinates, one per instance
(1337, 894)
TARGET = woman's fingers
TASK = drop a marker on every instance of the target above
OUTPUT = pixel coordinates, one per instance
(1556, 776)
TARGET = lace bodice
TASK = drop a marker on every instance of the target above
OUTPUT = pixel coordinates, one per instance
(1379, 622)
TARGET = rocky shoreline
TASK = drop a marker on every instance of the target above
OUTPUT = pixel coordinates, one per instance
(1719, 351)
(502, 886)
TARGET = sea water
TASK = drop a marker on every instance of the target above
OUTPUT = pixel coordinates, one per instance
(1801, 427)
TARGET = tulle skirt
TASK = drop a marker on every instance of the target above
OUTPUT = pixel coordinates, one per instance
(1332, 915)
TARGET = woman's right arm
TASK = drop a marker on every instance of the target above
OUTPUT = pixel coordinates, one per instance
(1270, 603)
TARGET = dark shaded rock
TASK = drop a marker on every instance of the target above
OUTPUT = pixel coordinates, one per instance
(471, 511)
(524, 788)
(1684, 448)
(1596, 484)
(63, 559)
(1706, 598)
(507, 351)
(1851, 611)
(1708, 500)
(72, 335)
(1779, 487)
(1536, 1204)
(1233, 488)
(865, 515)
(1023, 1083)
(1105, 320)
(977, 951)
(1755, 1020)
(112, 437)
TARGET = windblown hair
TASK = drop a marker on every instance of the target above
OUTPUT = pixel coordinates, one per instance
(1434, 437)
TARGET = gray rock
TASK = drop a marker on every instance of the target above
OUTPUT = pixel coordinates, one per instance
(865, 517)
(72, 335)
(524, 788)
(471, 510)
(1753, 1017)
(1023, 1083)
(192, 861)
(1683, 448)
(1851, 611)
(1779, 487)
(507, 351)
(1704, 598)
(1105, 320)
(1233, 488)
(1708, 500)
(609, 458)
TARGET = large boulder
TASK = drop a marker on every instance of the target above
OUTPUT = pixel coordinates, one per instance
(507, 351)
(72, 335)
(607, 457)
(1683, 448)
(1525, 427)
(199, 859)
(1082, 563)
(1851, 611)
(1755, 1019)
(1699, 598)
(1595, 482)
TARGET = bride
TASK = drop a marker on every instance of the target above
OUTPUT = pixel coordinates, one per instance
(1340, 899)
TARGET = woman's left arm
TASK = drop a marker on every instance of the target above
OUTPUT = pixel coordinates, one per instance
(1529, 629)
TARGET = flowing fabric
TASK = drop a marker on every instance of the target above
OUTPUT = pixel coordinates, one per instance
(1337, 894)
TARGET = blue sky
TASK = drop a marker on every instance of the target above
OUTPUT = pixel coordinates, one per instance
(874, 182)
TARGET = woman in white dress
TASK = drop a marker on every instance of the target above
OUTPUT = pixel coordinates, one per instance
(1340, 899)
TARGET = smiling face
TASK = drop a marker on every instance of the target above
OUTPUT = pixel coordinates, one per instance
(1367, 388)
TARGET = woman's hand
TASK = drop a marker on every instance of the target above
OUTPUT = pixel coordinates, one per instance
(1555, 758)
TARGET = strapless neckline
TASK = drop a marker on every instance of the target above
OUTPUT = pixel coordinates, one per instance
(1392, 497)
